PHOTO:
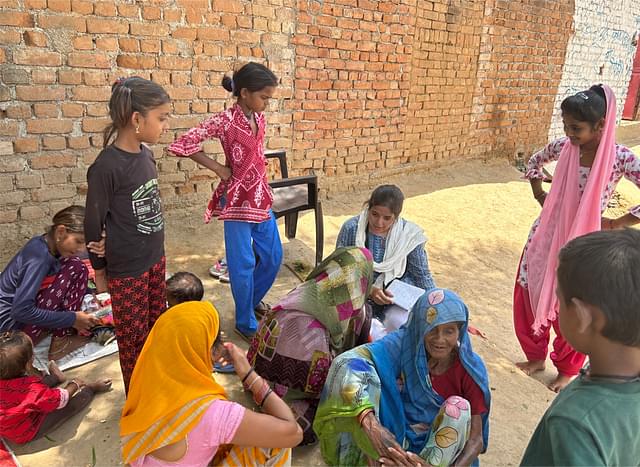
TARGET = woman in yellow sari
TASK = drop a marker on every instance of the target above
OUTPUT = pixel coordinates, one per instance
(176, 413)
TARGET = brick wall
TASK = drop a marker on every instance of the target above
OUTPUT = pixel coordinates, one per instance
(369, 88)
(600, 51)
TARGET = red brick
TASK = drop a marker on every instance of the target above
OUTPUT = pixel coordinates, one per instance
(136, 61)
(185, 33)
(35, 4)
(105, 9)
(18, 111)
(40, 93)
(151, 12)
(11, 215)
(94, 78)
(16, 18)
(45, 110)
(72, 110)
(175, 63)
(60, 6)
(172, 15)
(128, 11)
(94, 125)
(8, 37)
(54, 142)
(35, 39)
(83, 43)
(107, 26)
(82, 7)
(213, 34)
(149, 29)
(8, 128)
(97, 110)
(231, 6)
(91, 94)
(36, 57)
(9, 4)
(78, 142)
(109, 44)
(150, 45)
(128, 44)
(25, 144)
(246, 37)
(49, 125)
(43, 76)
(47, 161)
(73, 23)
(89, 60)
(70, 77)
(54, 192)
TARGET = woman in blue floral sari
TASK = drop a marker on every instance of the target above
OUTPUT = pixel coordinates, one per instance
(419, 396)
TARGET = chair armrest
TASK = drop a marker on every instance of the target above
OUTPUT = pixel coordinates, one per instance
(281, 155)
(302, 180)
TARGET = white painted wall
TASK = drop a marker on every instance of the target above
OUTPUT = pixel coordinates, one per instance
(600, 51)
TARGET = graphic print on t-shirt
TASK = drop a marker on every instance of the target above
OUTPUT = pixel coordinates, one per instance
(147, 208)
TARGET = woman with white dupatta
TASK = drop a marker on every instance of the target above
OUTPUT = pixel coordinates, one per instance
(396, 244)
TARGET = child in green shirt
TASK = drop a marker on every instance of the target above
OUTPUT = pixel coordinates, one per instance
(595, 420)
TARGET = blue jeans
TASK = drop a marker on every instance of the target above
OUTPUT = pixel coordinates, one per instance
(254, 255)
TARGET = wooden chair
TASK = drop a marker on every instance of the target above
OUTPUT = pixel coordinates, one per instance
(293, 195)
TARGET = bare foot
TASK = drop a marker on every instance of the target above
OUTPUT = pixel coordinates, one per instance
(56, 372)
(102, 385)
(531, 366)
(559, 383)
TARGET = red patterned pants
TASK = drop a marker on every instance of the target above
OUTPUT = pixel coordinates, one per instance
(137, 302)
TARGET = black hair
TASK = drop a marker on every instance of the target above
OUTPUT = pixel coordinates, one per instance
(252, 76)
(71, 217)
(389, 196)
(184, 287)
(603, 269)
(129, 95)
(586, 106)
(16, 351)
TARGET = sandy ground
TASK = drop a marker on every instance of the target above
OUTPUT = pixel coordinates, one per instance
(476, 216)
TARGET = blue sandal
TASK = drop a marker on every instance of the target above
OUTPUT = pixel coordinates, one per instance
(228, 368)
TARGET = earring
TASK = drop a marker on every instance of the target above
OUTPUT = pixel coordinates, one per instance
(137, 129)
(58, 240)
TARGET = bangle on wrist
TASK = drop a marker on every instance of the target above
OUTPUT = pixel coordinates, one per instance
(247, 375)
(362, 415)
(73, 381)
(264, 399)
(248, 387)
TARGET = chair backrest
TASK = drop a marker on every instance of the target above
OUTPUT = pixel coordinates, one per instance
(281, 155)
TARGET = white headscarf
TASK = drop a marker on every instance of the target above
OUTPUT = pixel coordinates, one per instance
(402, 239)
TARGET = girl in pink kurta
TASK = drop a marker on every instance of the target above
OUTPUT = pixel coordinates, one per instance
(590, 165)
(243, 197)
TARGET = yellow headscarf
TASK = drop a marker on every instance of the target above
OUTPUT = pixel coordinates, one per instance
(172, 385)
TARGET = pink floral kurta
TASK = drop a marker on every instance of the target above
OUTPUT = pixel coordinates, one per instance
(246, 196)
(627, 164)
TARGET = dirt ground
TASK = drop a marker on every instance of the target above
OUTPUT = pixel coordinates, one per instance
(476, 216)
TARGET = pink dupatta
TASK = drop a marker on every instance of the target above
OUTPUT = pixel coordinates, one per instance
(567, 215)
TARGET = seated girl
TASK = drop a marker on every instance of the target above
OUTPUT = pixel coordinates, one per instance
(31, 406)
(42, 287)
(177, 414)
(419, 396)
(396, 244)
(319, 319)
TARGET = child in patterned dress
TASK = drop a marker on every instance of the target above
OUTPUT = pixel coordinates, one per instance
(243, 197)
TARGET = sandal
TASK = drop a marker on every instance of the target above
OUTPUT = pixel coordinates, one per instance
(218, 269)
(228, 368)
(262, 309)
(246, 337)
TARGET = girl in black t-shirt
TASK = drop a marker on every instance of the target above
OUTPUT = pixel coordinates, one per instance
(123, 198)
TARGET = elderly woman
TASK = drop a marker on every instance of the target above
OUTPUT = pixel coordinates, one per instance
(321, 318)
(396, 244)
(177, 414)
(419, 396)
(42, 287)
